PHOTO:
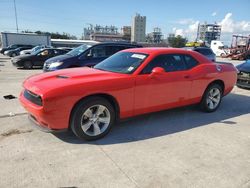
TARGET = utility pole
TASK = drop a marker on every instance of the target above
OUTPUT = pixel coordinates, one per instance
(16, 16)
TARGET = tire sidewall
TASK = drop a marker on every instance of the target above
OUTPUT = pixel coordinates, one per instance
(75, 120)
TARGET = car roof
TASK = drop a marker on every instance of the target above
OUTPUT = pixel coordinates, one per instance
(156, 50)
(116, 43)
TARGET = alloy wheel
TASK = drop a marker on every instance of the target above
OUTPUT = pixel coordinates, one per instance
(213, 98)
(95, 120)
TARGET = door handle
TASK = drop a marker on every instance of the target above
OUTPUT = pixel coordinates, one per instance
(186, 76)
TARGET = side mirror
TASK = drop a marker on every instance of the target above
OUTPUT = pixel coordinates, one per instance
(157, 71)
(89, 55)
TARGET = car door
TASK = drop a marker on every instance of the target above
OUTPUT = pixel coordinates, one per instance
(43, 56)
(166, 90)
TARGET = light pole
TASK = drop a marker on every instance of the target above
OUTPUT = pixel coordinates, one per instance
(16, 16)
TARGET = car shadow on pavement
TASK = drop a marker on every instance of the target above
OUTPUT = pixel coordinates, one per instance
(34, 68)
(168, 122)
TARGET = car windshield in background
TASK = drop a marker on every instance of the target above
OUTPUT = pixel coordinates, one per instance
(122, 62)
(77, 51)
(35, 49)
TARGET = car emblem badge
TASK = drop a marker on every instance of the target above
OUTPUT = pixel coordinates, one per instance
(218, 67)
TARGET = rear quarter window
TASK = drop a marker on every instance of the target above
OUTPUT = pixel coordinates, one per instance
(190, 61)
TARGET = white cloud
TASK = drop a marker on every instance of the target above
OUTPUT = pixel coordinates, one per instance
(189, 32)
(228, 25)
(214, 14)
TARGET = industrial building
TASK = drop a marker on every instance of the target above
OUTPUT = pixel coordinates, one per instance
(138, 30)
(102, 33)
(208, 32)
(126, 32)
(156, 36)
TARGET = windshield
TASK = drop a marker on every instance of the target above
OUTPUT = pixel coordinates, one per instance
(35, 49)
(77, 51)
(122, 62)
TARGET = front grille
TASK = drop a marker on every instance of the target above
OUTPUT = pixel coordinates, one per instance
(32, 97)
(244, 75)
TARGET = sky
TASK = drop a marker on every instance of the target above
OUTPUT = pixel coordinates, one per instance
(172, 16)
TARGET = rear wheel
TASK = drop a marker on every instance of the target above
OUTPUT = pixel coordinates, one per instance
(27, 65)
(212, 98)
(92, 118)
(13, 55)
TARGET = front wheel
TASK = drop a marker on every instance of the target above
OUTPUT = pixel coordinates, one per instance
(92, 118)
(211, 98)
(27, 65)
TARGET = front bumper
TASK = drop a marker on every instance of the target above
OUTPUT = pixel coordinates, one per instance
(15, 63)
(243, 81)
(46, 120)
(42, 127)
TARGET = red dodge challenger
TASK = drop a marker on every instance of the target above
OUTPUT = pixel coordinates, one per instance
(131, 82)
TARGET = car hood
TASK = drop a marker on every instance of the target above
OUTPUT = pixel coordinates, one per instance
(60, 58)
(245, 67)
(46, 82)
(26, 50)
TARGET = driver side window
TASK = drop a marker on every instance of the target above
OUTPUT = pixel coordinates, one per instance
(169, 63)
(98, 52)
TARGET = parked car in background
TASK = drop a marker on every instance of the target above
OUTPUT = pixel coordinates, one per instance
(36, 48)
(204, 51)
(65, 48)
(131, 82)
(14, 46)
(37, 58)
(85, 55)
(243, 80)
(15, 52)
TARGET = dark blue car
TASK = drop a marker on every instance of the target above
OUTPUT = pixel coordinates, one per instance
(85, 55)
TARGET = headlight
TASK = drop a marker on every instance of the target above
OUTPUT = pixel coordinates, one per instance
(56, 64)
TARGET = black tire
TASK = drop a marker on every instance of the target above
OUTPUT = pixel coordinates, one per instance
(13, 55)
(77, 116)
(204, 105)
(27, 65)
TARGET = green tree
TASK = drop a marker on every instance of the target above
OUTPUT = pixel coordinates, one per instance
(53, 35)
(177, 42)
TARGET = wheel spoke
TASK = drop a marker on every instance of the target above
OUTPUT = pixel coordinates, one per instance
(86, 126)
(211, 104)
(215, 100)
(104, 120)
(88, 113)
(216, 92)
(100, 110)
(97, 129)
